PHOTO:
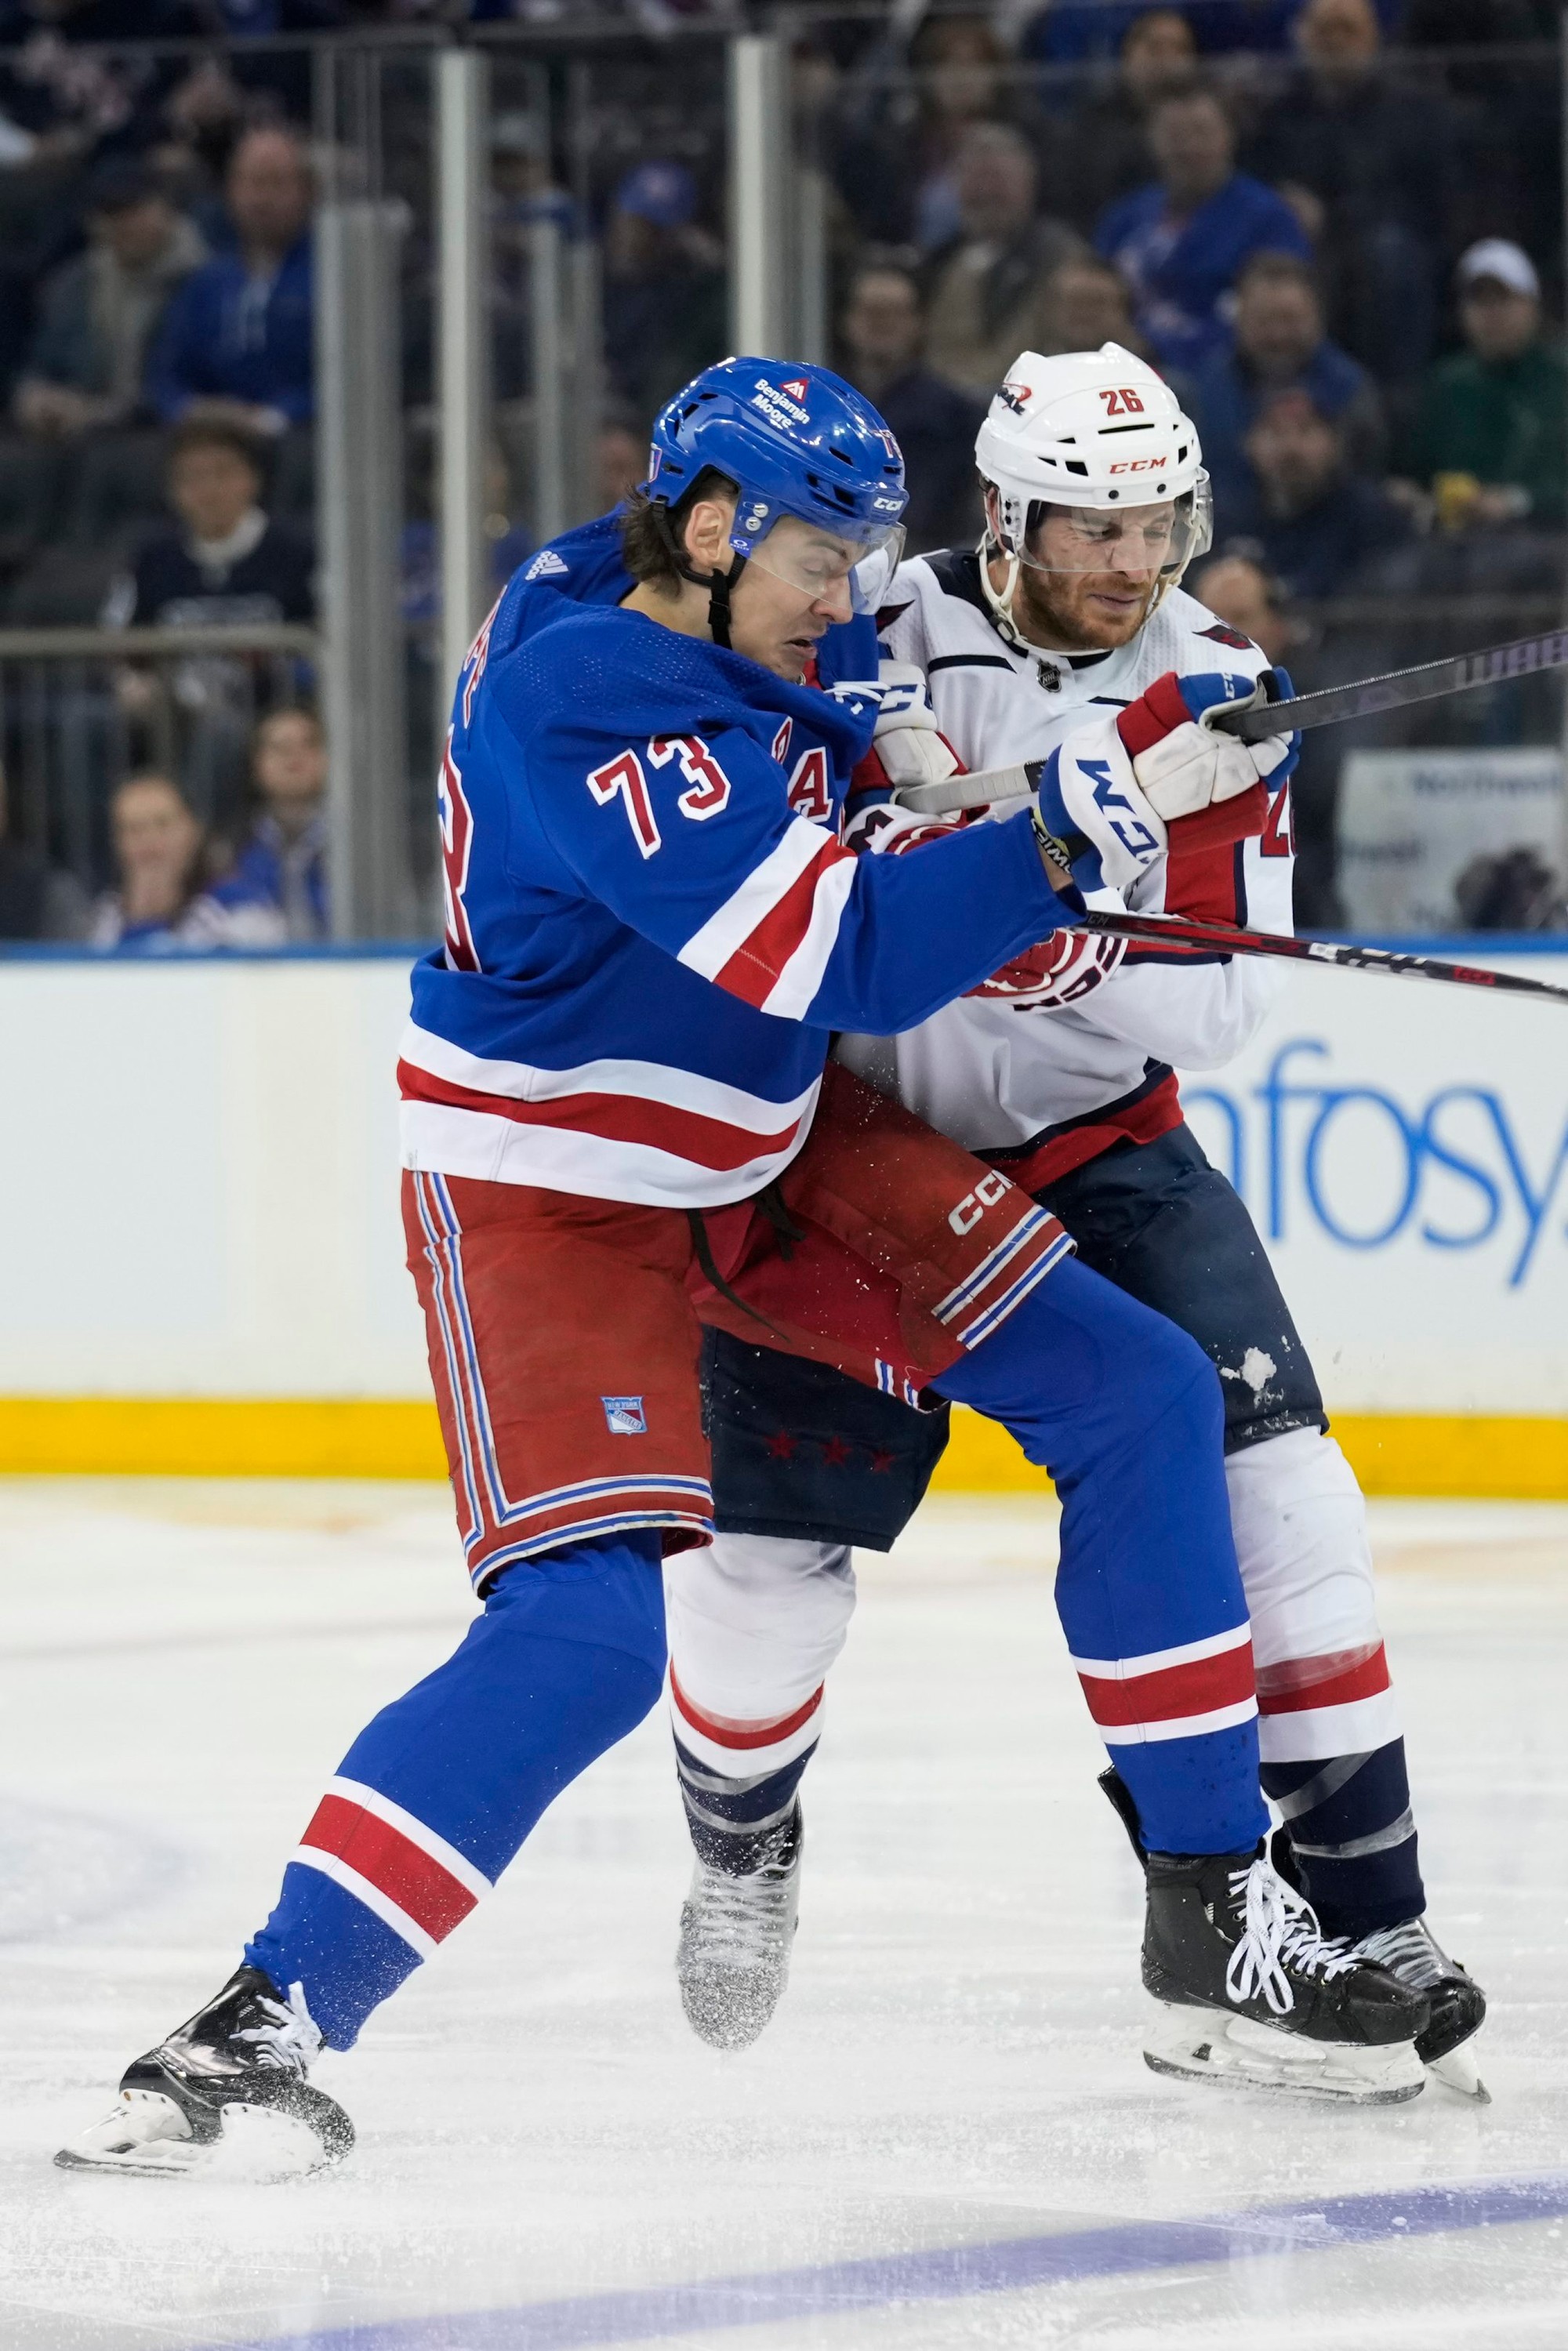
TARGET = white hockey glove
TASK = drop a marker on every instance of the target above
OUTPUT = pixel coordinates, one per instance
(1180, 760)
(1062, 970)
(908, 747)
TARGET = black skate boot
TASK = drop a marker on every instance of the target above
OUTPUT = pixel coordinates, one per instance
(1251, 1995)
(235, 2069)
(733, 1959)
(1411, 1952)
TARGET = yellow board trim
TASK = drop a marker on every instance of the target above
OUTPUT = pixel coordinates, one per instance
(219, 1437)
(1391, 1453)
(293, 1436)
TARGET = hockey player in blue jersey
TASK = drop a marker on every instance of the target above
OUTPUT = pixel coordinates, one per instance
(618, 1126)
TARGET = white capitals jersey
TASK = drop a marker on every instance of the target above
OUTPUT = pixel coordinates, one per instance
(1046, 1088)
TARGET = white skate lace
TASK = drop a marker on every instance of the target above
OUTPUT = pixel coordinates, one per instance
(1407, 1951)
(288, 2042)
(1280, 1930)
(740, 1921)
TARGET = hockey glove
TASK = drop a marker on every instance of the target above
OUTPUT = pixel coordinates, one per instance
(1063, 969)
(1094, 815)
(908, 747)
(1183, 763)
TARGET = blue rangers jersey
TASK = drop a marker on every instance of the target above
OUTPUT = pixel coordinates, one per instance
(652, 925)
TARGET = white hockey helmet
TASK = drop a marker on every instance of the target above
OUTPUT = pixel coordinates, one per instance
(1096, 430)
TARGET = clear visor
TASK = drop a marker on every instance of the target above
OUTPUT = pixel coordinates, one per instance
(846, 574)
(1142, 541)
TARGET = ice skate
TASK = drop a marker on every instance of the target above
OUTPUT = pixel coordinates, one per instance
(1411, 1952)
(1250, 1994)
(733, 1959)
(227, 2089)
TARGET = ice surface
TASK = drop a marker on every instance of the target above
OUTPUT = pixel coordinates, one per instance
(956, 2063)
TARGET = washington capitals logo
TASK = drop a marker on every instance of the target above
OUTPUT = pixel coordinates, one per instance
(1015, 396)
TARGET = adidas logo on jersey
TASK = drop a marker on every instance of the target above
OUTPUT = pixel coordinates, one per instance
(546, 565)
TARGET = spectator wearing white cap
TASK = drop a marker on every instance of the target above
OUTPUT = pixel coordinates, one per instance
(1488, 439)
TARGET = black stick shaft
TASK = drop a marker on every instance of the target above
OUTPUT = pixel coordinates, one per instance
(1166, 930)
(1492, 666)
(1522, 657)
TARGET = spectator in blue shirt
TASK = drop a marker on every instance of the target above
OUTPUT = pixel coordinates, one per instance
(160, 903)
(1100, 151)
(1181, 241)
(236, 341)
(283, 863)
(1278, 345)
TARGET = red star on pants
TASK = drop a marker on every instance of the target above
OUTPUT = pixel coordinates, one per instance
(881, 1462)
(781, 1447)
(836, 1452)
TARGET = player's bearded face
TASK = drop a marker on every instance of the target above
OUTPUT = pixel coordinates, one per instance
(1087, 579)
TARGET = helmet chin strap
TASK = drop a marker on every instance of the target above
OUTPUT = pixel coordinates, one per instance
(1001, 601)
(720, 586)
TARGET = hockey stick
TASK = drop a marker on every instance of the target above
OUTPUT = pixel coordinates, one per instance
(1393, 690)
(1167, 929)
(1460, 674)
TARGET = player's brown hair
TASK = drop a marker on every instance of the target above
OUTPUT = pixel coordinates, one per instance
(651, 532)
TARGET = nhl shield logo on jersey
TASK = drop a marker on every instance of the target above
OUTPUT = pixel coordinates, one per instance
(624, 1416)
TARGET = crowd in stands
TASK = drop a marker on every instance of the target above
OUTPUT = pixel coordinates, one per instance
(1327, 222)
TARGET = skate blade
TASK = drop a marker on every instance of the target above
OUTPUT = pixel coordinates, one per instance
(148, 2138)
(1458, 2070)
(1201, 2044)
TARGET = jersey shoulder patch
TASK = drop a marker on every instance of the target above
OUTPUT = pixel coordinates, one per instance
(1223, 634)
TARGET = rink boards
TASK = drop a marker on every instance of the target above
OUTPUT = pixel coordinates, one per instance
(207, 1262)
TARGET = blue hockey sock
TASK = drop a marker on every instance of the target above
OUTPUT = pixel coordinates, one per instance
(1125, 1412)
(1353, 1837)
(731, 1820)
(437, 1793)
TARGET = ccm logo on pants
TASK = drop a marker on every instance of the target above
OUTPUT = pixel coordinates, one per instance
(973, 1206)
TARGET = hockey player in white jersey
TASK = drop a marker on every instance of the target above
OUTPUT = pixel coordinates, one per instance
(1068, 627)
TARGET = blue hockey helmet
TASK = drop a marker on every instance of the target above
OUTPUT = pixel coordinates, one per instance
(797, 440)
